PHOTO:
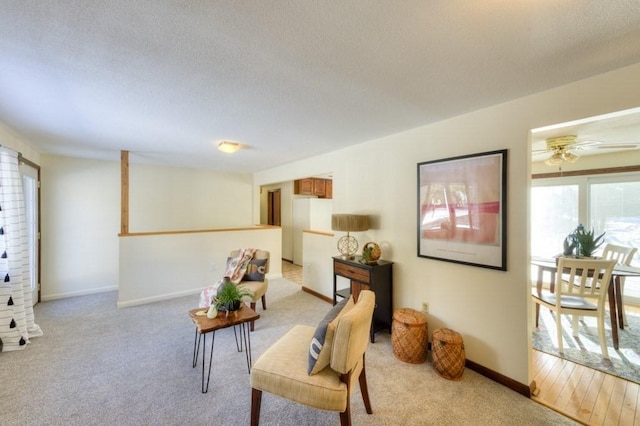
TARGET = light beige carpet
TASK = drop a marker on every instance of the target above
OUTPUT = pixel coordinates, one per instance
(99, 365)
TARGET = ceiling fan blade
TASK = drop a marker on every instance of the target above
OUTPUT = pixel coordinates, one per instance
(585, 144)
(618, 146)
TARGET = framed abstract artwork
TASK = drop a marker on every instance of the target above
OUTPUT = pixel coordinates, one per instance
(462, 210)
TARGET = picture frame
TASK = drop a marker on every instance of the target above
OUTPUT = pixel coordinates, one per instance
(462, 209)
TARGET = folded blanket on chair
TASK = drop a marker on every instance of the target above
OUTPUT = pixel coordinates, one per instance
(235, 270)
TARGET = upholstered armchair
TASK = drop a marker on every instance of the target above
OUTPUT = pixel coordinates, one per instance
(318, 367)
(255, 280)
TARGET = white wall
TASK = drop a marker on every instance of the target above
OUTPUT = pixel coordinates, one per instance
(320, 210)
(489, 308)
(10, 139)
(165, 198)
(80, 221)
(301, 208)
(318, 248)
(309, 213)
(81, 215)
(286, 214)
(157, 267)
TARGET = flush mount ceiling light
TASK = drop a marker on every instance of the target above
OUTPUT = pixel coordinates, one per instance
(228, 146)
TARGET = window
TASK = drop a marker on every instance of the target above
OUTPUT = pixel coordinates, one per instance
(615, 209)
(554, 214)
(607, 204)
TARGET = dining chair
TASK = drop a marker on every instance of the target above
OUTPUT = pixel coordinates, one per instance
(623, 256)
(587, 297)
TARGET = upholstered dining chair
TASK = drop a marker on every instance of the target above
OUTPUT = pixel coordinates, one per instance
(287, 368)
(623, 256)
(255, 280)
(587, 297)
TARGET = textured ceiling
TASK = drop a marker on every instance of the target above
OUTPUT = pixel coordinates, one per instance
(165, 79)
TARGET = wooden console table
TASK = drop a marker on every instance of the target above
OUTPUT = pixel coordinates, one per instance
(377, 278)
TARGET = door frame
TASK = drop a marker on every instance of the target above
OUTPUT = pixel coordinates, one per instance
(37, 266)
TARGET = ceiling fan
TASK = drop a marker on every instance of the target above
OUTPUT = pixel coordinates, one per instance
(564, 148)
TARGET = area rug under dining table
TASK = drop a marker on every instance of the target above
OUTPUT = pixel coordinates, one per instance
(585, 349)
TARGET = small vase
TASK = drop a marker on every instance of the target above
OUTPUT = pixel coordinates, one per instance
(212, 312)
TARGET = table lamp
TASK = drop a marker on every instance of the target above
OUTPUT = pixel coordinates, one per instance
(348, 245)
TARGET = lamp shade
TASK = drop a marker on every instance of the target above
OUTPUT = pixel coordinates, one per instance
(349, 222)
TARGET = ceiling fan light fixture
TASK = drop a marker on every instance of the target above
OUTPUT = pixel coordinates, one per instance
(555, 160)
(228, 147)
(560, 146)
(569, 157)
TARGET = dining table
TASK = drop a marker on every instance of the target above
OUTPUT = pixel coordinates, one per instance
(616, 311)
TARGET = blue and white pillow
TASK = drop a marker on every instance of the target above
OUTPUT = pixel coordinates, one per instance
(320, 347)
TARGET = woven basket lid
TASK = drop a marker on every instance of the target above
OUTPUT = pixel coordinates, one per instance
(409, 316)
(448, 336)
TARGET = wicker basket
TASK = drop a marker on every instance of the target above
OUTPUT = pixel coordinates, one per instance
(448, 354)
(409, 335)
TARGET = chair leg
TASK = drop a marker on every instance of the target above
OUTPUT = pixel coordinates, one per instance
(256, 400)
(264, 302)
(624, 311)
(364, 390)
(559, 332)
(575, 325)
(601, 335)
(345, 416)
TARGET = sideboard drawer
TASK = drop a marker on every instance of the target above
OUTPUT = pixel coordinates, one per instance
(351, 272)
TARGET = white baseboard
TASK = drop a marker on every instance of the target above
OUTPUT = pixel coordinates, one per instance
(160, 297)
(135, 302)
(55, 296)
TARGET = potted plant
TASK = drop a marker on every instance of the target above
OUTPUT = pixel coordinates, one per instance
(229, 297)
(584, 242)
(568, 245)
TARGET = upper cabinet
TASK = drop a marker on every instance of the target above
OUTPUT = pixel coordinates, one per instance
(321, 188)
(328, 189)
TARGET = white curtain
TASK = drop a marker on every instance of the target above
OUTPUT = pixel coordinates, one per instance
(17, 323)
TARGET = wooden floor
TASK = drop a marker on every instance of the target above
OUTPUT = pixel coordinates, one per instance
(292, 272)
(586, 395)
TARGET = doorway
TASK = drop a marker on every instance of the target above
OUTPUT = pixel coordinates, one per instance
(30, 173)
(274, 207)
(586, 187)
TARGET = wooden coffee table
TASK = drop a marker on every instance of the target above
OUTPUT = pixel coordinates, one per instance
(242, 317)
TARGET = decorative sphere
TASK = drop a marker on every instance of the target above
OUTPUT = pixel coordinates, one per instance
(375, 251)
(347, 246)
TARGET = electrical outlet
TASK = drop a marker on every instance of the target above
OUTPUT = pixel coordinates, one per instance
(213, 267)
(425, 307)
